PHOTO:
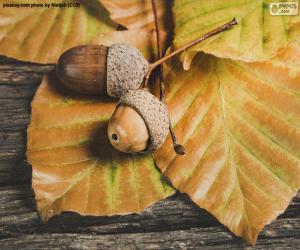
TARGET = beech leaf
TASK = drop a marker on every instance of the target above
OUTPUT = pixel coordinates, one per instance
(74, 167)
(257, 37)
(42, 34)
(240, 125)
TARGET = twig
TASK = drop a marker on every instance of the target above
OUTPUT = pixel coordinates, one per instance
(216, 31)
(179, 149)
(159, 51)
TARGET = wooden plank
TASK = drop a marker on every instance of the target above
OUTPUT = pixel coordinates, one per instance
(18, 216)
(13, 166)
(13, 72)
(207, 238)
(18, 83)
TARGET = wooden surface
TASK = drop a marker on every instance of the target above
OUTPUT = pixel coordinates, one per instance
(175, 223)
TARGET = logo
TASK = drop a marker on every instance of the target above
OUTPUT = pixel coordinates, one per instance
(284, 9)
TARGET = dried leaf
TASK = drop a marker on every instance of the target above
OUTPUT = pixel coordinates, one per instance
(257, 37)
(42, 34)
(74, 167)
(134, 14)
(240, 125)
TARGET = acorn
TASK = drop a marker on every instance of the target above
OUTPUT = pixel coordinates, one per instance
(101, 70)
(139, 124)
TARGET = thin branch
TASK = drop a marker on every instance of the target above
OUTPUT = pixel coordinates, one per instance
(214, 32)
(179, 149)
(159, 51)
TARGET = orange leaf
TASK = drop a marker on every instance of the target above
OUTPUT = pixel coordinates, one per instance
(42, 34)
(240, 125)
(74, 167)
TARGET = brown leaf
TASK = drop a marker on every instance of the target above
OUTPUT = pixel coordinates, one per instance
(74, 167)
(240, 125)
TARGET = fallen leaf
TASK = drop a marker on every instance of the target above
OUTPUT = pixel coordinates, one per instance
(134, 14)
(74, 167)
(42, 34)
(240, 125)
(257, 37)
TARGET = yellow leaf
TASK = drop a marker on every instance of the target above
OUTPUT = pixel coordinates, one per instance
(42, 34)
(240, 125)
(258, 35)
(74, 167)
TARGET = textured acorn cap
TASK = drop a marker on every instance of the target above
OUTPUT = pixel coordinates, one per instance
(126, 69)
(154, 113)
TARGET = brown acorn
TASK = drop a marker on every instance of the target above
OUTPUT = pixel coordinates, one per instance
(119, 71)
(139, 124)
(101, 70)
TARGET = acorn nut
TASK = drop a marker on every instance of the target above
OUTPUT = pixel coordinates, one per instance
(139, 124)
(101, 70)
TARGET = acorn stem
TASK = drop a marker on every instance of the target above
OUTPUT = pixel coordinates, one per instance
(216, 31)
(179, 149)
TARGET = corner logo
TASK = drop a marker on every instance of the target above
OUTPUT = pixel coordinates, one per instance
(284, 9)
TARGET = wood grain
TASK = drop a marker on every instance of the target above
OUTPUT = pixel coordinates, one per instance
(175, 223)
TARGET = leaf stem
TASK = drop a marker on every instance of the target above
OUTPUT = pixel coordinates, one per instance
(216, 31)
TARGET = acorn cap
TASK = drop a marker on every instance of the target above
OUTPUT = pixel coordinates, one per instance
(154, 113)
(126, 69)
